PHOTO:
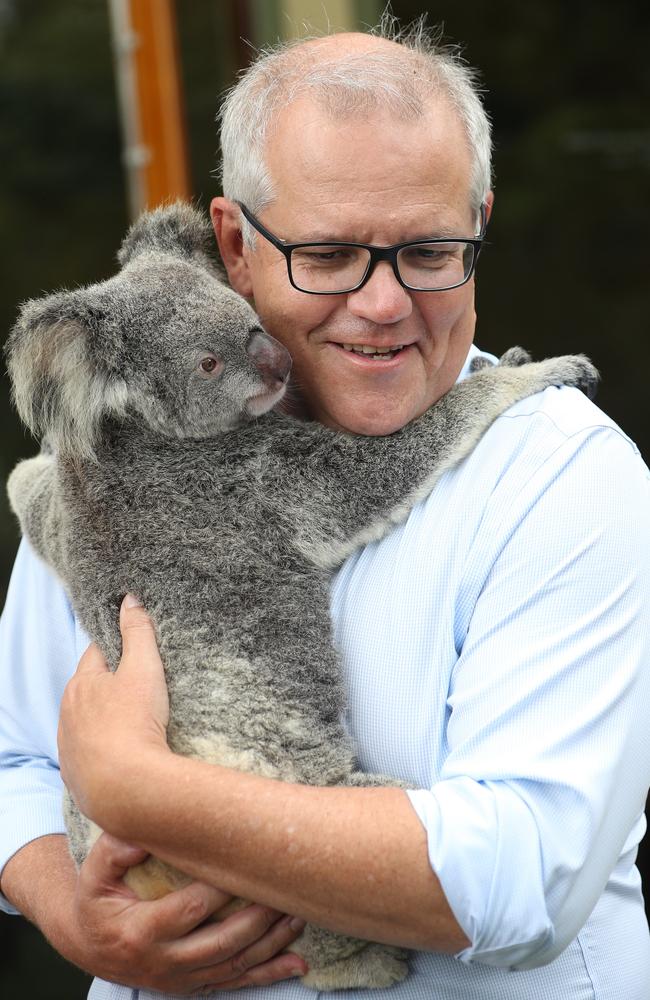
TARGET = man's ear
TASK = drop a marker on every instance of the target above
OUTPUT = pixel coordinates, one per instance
(489, 205)
(58, 390)
(226, 222)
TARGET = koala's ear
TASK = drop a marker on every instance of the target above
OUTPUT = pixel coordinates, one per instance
(58, 390)
(177, 229)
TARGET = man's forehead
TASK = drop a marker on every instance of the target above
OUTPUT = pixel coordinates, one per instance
(311, 117)
(346, 43)
(312, 147)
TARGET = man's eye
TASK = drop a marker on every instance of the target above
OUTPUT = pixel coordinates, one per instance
(429, 256)
(324, 256)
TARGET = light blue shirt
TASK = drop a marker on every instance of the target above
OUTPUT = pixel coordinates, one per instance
(496, 648)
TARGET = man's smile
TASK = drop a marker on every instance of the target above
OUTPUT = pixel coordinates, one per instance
(372, 349)
(371, 354)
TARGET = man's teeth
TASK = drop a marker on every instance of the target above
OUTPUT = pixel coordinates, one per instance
(369, 349)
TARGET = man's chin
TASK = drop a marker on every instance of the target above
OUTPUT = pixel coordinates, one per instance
(376, 423)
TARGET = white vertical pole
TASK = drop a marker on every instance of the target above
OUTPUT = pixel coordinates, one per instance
(135, 155)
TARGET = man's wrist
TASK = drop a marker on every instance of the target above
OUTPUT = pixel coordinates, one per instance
(121, 793)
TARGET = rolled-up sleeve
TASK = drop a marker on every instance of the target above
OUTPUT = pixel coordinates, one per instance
(548, 764)
(38, 652)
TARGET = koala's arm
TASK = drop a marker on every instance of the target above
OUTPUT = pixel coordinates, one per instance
(35, 499)
(346, 490)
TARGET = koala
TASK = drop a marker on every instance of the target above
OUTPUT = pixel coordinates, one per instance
(169, 472)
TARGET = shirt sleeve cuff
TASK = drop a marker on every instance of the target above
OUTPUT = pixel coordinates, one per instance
(479, 835)
(30, 807)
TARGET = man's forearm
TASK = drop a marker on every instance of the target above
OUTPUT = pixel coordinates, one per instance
(350, 859)
(39, 880)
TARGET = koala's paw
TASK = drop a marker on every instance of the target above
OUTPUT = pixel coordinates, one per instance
(587, 375)
(153, 879)
(574, 370)
(375, 967)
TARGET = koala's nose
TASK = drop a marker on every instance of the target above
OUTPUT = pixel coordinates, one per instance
(269, 356)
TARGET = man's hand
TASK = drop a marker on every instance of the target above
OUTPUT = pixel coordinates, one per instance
(94, 921)
(111, 722)
(166, 945)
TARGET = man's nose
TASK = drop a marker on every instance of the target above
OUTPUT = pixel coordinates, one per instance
(382, 299)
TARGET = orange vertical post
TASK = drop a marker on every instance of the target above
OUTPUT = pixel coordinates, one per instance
(152, 104)
(162, 117)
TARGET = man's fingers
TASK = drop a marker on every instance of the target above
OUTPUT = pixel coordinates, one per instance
(185, 909)
(281, 967)
(217, 943)
(260, 963)
(279, 936)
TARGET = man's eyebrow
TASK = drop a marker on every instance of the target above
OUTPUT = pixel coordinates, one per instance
(434, 233)
(441, 232)
(323, 237)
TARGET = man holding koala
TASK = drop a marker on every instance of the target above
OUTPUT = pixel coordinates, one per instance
(494, 645)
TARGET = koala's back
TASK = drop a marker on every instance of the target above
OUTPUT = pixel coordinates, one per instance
(242, 618)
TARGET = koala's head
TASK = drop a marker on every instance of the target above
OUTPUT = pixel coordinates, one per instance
(165, 341)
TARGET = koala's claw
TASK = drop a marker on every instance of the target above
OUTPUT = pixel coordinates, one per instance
(479, 363)
(515, 357)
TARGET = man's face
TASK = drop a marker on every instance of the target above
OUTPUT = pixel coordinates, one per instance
(373, 180)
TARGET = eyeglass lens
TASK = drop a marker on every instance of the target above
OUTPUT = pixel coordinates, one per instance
(424, 266)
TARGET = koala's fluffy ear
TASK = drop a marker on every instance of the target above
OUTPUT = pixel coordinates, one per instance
(58, 391)
(177, 229)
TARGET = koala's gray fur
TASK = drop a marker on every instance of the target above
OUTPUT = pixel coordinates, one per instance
(163, 482)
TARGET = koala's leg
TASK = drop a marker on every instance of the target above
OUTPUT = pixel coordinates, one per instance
(34, 498)
(337, 962)
(82, 834)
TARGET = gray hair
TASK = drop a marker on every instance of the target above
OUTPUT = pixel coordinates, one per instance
(400, 79)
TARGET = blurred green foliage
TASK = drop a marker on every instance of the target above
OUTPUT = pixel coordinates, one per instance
(565, 269)
(62, 205)
(31, 968)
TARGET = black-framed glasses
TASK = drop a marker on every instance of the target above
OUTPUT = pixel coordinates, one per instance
(332, 268)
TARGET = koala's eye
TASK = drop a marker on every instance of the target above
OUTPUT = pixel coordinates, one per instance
(210, 365)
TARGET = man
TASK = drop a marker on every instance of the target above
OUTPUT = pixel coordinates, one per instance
(495, 645)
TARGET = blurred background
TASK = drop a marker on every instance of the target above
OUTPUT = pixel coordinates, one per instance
(565, 270)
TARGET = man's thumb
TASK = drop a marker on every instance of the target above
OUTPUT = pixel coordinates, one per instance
(137, 631)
